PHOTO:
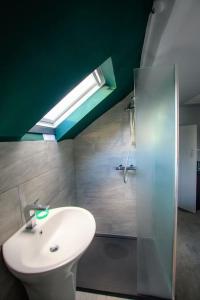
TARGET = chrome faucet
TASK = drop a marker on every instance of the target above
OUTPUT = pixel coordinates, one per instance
(29, 213)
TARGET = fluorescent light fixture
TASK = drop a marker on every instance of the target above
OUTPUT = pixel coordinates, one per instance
(73, 99)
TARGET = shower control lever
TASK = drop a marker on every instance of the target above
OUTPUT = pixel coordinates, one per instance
(128, 168)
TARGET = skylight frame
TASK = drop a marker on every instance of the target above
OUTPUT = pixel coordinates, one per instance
(99, 82)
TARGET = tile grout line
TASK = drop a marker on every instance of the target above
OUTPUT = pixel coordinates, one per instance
(16, 186)
(20, 205)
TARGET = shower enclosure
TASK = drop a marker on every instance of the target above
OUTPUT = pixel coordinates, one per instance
(133, 252)
(157, 179)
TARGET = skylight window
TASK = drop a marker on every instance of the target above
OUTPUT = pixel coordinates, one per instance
(73, 99)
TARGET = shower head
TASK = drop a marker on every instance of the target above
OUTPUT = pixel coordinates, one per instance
(131, 104)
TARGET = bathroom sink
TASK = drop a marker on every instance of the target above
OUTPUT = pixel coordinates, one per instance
(56, 240)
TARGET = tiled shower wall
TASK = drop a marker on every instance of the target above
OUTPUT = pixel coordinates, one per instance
(29, 171)
(99, 187)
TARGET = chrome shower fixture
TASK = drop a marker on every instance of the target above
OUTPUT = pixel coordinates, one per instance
(131, 105)
(125, 170)
(128, 168)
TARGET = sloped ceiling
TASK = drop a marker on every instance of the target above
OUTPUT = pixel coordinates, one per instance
(47, 47)
(177, 43)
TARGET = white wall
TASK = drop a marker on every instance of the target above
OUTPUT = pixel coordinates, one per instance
(190, 115)
(174, 39)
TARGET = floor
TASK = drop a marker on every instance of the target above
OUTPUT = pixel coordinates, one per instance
(188, 260)
(188, 256)
(89, 296)
(109, 265)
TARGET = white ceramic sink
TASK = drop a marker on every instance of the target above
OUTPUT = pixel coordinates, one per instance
(70, 229)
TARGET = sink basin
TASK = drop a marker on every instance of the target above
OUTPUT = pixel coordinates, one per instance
(53, 246)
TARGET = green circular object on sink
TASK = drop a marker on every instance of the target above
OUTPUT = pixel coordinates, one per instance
(41, 214)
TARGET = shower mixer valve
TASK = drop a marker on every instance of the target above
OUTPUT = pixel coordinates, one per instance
(128, 168)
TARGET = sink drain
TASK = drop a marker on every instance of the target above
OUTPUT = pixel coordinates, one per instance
(54, 248)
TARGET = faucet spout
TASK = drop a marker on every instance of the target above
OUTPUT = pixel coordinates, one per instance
(29, 213)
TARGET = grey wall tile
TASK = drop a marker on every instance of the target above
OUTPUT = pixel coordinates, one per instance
(99, 187)
(10, 214)
(48, 188)
(19, 164)
(43, 187)
(61, 155)
(31, 170)
(23, 169)
(12, 151)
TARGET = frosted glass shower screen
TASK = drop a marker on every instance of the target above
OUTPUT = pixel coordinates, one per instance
(156, 179)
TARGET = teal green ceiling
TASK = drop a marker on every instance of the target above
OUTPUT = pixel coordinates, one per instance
(48, 47)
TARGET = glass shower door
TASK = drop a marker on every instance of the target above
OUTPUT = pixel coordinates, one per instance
(156, 100)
